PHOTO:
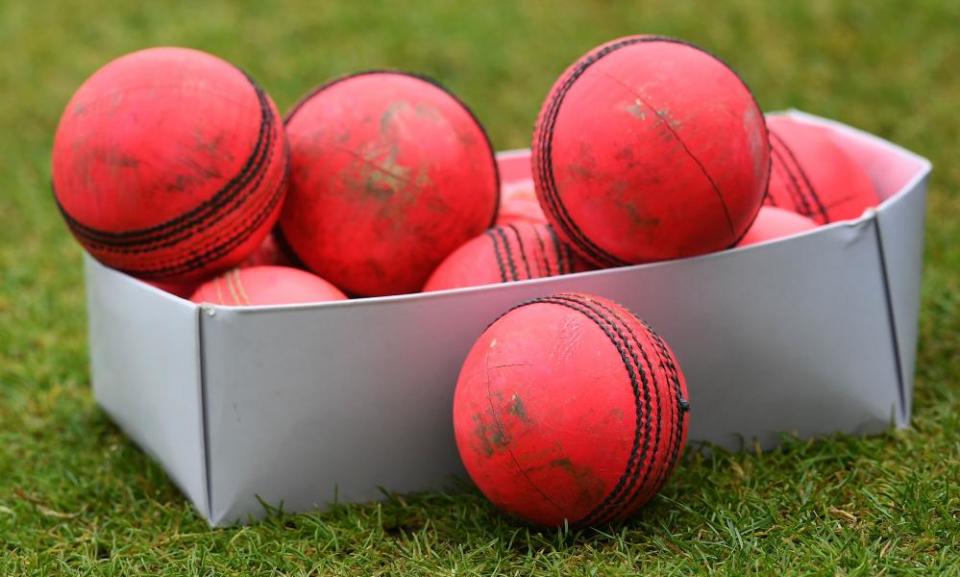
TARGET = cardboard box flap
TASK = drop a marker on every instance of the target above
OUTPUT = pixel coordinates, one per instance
(145, 367)
(901, 179)
(311, 404)
(900, 235)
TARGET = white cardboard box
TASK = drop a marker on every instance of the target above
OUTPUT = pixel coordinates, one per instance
(300, 404)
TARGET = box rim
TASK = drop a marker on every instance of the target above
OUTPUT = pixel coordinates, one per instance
(924, 171)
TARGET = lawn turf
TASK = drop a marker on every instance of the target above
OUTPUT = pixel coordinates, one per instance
(76, 497)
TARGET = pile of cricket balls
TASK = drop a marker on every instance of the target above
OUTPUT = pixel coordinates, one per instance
(175, 167)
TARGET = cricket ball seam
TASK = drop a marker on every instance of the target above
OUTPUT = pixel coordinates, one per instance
(231, 282)
(634, 489)
(613, 503)
(238, 202)
(522, 250)
(497, 255)
(508, 254)
(230, 210)
(216, 251)
(436, 84)
(241, 290)
(544, 157)
(798, 195)
(216, 247)
(545, 271)
(572, 302)
(682, 404)
(565, 255)
(803, 175)
(286, 249)
(203, 213)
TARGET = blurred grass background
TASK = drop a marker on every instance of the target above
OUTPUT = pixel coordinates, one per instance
(76, 497)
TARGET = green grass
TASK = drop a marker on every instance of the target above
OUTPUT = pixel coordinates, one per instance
(77, 497)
